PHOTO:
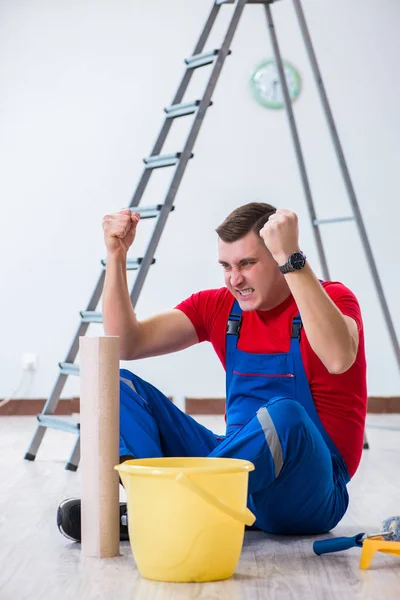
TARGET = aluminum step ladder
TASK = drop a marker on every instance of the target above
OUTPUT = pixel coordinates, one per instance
(198, 108)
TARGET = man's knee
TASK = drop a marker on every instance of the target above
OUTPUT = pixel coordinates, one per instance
(290, 420)
(126, 377)
(286, 410)
(128, 393)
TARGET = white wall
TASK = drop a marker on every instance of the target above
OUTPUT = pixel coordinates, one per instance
(83, 85)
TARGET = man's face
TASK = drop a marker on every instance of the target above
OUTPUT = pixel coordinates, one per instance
(251, 274)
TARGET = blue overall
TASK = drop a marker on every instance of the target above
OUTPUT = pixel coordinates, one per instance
(299, 482)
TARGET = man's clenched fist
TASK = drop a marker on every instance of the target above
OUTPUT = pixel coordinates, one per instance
(120, 230)
(281, 235)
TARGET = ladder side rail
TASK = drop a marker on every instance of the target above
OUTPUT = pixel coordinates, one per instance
(346, 176)
(296, 142)
(186, 154)
(137, 196)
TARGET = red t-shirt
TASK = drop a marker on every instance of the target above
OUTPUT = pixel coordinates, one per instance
(340, 400)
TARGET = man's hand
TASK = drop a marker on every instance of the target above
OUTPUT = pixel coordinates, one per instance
(281, 235)
(120, 231)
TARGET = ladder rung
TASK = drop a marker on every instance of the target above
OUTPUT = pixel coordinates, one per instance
(90, 316)
(69, 368)
(59, 423)
(132, 264)
(166, 160)
(200, 60)
(336, 220)
(185, 108)
(148, 212)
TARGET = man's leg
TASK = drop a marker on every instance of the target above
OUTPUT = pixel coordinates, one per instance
(296, 488)
(150, 427)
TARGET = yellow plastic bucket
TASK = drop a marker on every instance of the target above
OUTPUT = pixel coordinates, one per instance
(186, 516)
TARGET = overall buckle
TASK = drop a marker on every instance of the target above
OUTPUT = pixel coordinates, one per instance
(233, 326)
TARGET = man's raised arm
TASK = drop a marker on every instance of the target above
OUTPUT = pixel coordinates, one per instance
(162, 334)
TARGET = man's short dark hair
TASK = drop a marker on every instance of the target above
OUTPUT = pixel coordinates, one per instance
(246, 218)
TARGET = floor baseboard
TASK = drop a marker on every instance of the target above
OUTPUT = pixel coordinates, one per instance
(193, 406)
(33, 406)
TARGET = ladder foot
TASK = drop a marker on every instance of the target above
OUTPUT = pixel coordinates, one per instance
(29, 456)
(71, 467)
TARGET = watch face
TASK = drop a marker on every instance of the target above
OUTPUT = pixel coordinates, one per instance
(297, 260)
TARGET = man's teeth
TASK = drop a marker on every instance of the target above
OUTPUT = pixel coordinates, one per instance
(245, 292)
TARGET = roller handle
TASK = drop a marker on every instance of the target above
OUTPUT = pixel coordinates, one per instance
(337, 544)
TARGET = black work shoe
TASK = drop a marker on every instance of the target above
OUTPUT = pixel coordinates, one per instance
(69, 520)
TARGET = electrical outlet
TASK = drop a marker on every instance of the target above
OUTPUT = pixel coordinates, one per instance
(29, 361)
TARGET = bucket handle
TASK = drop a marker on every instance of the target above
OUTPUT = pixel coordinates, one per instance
(246, 517)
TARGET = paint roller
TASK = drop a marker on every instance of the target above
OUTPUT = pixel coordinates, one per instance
(390, 531)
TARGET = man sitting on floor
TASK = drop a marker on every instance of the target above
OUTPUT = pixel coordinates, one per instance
(293, 350)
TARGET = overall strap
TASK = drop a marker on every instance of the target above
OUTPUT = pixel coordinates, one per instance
(232, 331)
(296, 326)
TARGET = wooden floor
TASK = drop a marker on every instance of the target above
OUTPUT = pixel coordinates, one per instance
(37, 563)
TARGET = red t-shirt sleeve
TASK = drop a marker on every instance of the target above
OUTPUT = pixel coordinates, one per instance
(202, 309)
(345, 300)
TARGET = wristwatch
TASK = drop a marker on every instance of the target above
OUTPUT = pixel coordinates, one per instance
(295, 262)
